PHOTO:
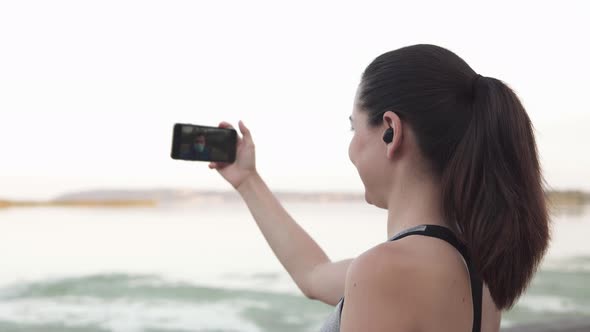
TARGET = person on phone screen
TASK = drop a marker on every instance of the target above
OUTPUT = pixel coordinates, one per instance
(198, 149)
(451, 155)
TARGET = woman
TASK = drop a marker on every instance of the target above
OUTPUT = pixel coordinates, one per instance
(451, 155)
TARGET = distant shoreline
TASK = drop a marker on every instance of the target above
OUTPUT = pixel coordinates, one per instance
(568, 197)
(151, 198)
(114, 203)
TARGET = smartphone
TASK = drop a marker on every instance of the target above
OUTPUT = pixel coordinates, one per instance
(203, 143)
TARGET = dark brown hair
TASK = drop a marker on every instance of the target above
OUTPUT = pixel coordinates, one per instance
(480, 144)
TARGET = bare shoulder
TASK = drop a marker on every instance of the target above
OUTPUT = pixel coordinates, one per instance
(398, 284)
(383, 261)
(415, 257)
(382, 290)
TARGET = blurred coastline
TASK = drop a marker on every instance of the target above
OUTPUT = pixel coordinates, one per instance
(562, 201)
(571, 202)
(102, 203)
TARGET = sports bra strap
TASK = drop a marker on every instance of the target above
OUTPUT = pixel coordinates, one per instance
(447, 235)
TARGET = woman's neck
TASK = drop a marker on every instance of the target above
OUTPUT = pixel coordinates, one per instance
(415, 202)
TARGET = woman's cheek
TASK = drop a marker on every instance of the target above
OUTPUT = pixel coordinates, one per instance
(352, 150)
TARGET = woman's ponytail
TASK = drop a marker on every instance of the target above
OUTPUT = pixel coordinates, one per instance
(493, 189)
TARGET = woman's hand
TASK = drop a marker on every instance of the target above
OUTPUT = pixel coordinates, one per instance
(245, 164)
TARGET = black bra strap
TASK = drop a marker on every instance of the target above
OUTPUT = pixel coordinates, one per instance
(447, 235)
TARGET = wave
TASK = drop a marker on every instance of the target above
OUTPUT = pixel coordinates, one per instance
(136, 303)
(150, 303)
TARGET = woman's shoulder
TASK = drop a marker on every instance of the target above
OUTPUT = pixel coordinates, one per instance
(416, 265)
(406, 274)
(419, 254)
(379, 282)
(402, 265)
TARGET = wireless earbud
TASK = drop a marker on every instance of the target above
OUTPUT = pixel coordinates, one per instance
(388, 136)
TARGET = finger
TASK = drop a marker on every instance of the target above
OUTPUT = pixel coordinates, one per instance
(245, 132)
(217, 165)
(224, 124)
(227, 125)
(221, 165)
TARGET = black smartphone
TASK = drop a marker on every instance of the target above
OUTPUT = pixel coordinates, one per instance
(203, 143)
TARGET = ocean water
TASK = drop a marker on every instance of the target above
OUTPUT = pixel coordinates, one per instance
(206, 267)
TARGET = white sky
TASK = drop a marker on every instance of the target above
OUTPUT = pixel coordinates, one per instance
(90, 90)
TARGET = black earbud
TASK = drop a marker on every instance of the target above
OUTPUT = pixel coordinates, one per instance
(388, 136)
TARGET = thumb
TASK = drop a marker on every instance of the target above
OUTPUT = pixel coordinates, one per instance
(245, 132)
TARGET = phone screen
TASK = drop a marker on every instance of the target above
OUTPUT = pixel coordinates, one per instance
(203, 143)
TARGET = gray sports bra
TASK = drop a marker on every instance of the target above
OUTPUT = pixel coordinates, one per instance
(332, 324)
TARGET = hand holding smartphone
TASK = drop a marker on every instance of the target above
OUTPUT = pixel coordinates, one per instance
(203, 143)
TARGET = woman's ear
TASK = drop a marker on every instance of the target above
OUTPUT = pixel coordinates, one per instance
(392, 120)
